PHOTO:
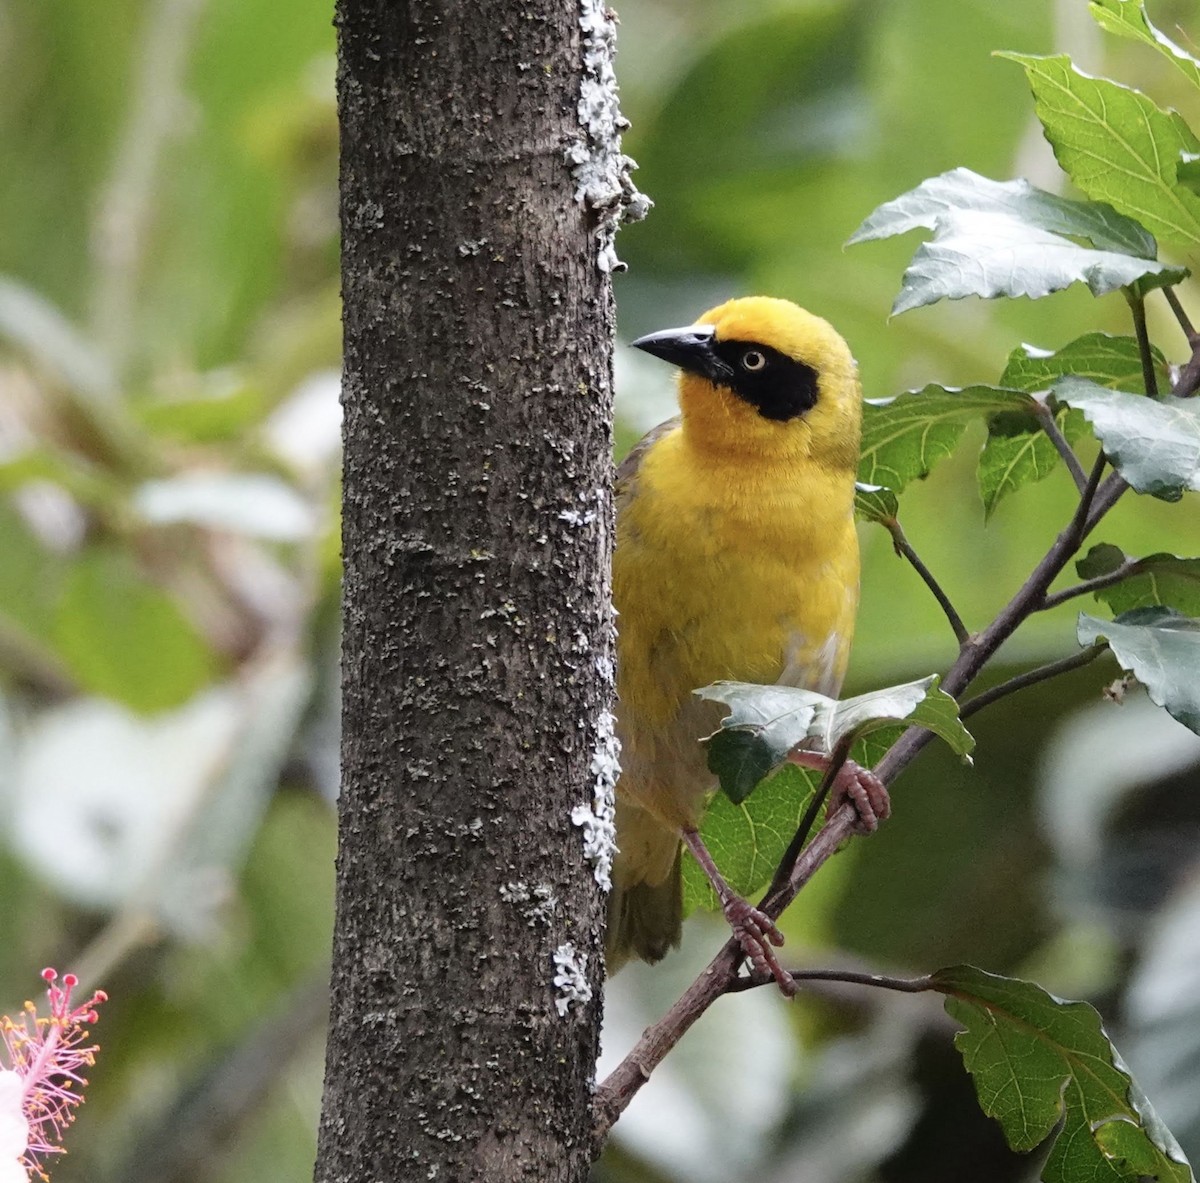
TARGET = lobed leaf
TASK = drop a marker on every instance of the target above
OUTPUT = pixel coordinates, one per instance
(1128, 18)
(1115, 362)
(875, 503)
(1159, 580)
(1161, 648)
(1017, 451)
(1007, 238)
(1017, 454)
(1116, 145)
(904, 437)
(992, 255)
(1038, 1061)
(766, 722)
(962, 191)
(1153, 444)
(748, 840)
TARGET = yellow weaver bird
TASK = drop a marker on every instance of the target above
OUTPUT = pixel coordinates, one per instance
(736, 558)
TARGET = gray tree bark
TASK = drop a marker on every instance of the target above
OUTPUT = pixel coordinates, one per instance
(477, 651)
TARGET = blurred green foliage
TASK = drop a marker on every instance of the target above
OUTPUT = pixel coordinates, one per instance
(168, 329)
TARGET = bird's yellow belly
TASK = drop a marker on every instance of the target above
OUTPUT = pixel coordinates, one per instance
(753, 585)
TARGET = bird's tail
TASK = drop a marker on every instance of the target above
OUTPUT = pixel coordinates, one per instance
(645, 915)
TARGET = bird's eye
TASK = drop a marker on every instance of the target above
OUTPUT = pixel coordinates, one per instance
(753, 361)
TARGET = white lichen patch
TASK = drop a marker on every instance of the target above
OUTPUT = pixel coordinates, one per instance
(570, 978)
(600, 169)
(598, 820)
(577, 517)
(538, 903)
(585, 516)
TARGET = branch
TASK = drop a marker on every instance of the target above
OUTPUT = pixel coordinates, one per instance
(1124, 571)
(1180, 315)
(854, 977)
(718, 977)
(1106, 497)
(1064, 449)
(904, 547)
(622, 1084)
(1031, 678)
(1188, 381)
(1137, 305)
(839, 756)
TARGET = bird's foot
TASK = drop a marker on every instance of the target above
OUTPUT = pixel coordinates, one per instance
(865, 791)
(854, 784)
(759, 937)
(756, 933)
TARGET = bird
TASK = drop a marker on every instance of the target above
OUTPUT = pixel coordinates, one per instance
(736, 557)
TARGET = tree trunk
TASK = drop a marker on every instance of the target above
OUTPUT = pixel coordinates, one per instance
(478, 637)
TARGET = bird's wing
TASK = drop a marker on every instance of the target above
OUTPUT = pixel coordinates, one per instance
(627, 470)
(818, 668)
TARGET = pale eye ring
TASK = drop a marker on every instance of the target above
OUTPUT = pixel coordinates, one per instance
(753, 360)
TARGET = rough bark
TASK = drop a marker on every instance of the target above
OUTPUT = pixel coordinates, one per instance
(477, 643)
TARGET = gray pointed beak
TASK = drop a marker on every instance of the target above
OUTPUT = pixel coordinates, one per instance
(690, 348)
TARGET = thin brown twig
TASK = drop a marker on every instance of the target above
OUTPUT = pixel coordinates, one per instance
(1137, 306)
(839, 756)
(1031, 678)
(904, 547)
(1188, 381)
(1055, 436)
(922, 985)
(1106, 497)
(1124, 571)
(1181, 315)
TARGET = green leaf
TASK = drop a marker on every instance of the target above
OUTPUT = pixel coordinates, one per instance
(1154, 445)
(1161, 649)
(992, 255)
(1018, 451)
(1007, 238)
(1102, 559)
(1159, 580)
(1015, 454)
(30, 576)
(766, 722)
(903, 437)
(875, 503)
(1128, 18)
(124, 638)
(1115, 362)
(748, 839)
(961, 191)
(1116, 145)
(1036, 1061)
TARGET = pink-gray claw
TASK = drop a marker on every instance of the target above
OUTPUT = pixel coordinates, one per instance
(865, 791)
(759, 936)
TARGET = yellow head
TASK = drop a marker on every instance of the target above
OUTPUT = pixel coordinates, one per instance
(761, 377)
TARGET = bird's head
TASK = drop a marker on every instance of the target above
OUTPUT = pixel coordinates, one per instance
(764, 377)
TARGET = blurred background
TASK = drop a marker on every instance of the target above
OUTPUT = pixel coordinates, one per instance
(169, 350)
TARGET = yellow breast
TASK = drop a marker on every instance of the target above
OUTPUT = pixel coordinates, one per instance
(723, 570)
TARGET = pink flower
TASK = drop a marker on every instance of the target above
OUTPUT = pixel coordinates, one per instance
(41, 1084)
